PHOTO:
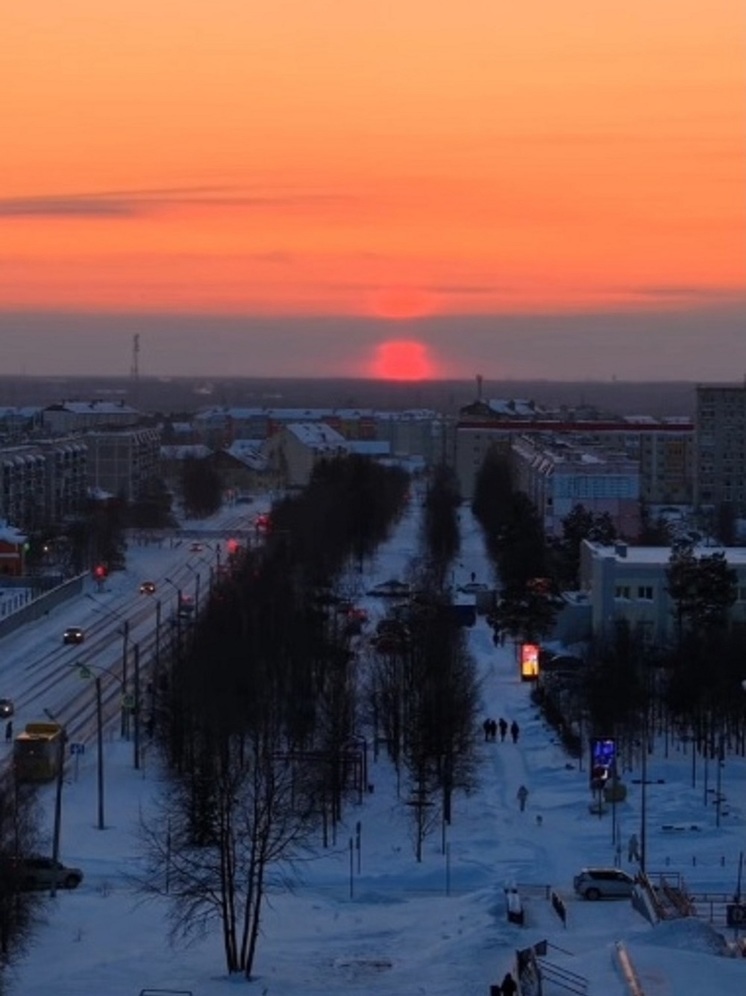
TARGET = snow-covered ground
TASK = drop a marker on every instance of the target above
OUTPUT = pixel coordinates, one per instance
(389, 926)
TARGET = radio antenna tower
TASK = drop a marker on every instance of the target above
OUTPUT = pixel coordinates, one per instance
(135, 368)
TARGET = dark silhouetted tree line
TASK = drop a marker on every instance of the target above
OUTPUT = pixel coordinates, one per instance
(258, 715)
(440, 528)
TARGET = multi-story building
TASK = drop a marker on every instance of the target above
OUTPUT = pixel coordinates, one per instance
(663, 447)
(79, 416)
(557, 476)
(720, 445)
(122, 462)
(293, 453)
(629, 583)
(413, 432)
(44, 483)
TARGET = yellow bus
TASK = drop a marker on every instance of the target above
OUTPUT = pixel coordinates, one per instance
(37, 752)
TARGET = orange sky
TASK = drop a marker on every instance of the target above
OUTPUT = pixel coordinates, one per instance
(341, 157)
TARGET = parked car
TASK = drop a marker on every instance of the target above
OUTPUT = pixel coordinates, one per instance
(6, 708)
(28, 874)
(73, 634)
(391, 589)
(196, 548)
(147, 588)
(604, 883)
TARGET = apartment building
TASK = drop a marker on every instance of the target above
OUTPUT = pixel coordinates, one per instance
(293, 453)
(43, 483)
(121, 462)
(557, 475)
(79, 416)
(720, 447)
(663, 448)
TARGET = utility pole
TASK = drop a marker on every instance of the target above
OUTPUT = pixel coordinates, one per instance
(136, 714)
(100, 759)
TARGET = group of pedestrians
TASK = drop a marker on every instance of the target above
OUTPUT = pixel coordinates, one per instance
(491, 727)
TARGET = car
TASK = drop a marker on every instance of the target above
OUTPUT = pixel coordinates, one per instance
(147, 588)
(196, 548)
(603, 883)
(391, 589)
(73, 634)
(6, 708)
(35, 872)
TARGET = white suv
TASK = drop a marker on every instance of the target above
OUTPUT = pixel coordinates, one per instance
(604, 883)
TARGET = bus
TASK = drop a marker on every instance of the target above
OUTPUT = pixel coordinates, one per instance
(37, 752)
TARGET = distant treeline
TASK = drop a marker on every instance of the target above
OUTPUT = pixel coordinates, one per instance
(152, 394)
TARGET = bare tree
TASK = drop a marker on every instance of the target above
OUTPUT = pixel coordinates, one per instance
(256, 814)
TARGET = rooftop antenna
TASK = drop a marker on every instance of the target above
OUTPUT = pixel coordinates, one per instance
(135, 368)
(479, 387)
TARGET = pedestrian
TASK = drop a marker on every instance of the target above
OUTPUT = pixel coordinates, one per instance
(493, 730)
(522, 795)
(486, 726)
(503, 728)
(9, 731)
(633, 848)
(514, 731)
(508, 986)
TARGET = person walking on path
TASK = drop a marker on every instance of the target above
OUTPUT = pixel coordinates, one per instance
(493, 730)
(9, 731)
(503, 728)
(514, 731)
(522, 795)
(487, 726)
(508, 986)
(633, 848)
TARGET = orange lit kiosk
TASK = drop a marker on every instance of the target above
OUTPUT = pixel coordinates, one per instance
(529, 656)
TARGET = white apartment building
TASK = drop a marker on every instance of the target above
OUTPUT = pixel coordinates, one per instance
(628, 583)
(557, 476)
(121, 462)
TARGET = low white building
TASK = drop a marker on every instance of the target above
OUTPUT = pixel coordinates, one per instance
(629, 583)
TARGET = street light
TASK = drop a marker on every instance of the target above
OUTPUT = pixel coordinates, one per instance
(57, 803)
(196, 587)
(125, 631)
(84, 670)
(177, 589)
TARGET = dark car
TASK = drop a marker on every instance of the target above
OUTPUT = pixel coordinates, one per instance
(28, 874)
(147, 588)
(73, 634)
(6, 708)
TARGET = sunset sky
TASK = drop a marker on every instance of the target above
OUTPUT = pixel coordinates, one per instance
(420, 169)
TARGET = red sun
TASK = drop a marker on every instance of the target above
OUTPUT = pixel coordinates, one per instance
(402, 359)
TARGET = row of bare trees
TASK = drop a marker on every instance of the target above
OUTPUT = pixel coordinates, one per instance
(258, 723)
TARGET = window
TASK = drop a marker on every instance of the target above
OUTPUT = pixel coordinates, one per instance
(621, 591)
(645, 591)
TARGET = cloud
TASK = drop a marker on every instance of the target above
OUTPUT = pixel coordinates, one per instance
(683, 293)
(134, 203)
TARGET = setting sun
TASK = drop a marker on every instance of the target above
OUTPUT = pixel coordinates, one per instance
(403, 360)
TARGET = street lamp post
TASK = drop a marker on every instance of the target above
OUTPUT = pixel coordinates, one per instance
(177, 589)
(125, 632)
(196, 587)
(57, 829)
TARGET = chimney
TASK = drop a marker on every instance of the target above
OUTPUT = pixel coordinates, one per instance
(620, 549)
(479, 387)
